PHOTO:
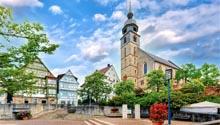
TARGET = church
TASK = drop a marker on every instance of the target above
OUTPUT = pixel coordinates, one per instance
(135, 62)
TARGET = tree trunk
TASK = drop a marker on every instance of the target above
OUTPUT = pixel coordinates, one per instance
(9, 98)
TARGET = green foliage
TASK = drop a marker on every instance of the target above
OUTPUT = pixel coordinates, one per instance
(125, 93)
(125, 98)
(13, 58)
(195, 86)
(209, 73)
(215, 99)
(95, 87)
(124, 87)
(187, 72)
(156, 80)
(179, 99)
(150, 98)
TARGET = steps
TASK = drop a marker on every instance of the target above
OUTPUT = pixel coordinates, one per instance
(97, 122)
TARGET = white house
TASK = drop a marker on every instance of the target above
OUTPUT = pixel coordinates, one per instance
(67, 86)
(111, 76)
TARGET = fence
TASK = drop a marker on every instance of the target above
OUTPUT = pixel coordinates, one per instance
(7, 111)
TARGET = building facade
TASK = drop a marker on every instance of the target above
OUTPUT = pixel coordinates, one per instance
(67, 86)
(111, 76)
(135, 62)
(45, 91)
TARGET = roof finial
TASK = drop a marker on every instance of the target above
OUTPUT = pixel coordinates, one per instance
(130, 14)
(129, 6)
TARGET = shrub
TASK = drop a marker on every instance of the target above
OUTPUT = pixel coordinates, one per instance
(23, 115)
(215, 99)
(158, 112)
(195, 86)
(71, 110)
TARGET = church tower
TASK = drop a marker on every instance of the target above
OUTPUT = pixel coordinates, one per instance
(130, 42)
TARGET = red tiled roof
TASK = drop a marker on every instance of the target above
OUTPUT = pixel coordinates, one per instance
(104, 70)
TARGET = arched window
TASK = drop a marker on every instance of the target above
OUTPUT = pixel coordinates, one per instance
(145, 68)
(125, 39)
(134, 50)
(135, 29)
(125, 52)
(135, 38)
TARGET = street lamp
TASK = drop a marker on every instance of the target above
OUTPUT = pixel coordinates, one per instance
(168, 74)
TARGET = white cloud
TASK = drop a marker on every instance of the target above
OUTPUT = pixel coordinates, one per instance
(118, 15)
(171, 54)
(21, 3)
(73, 57)
(105, 2)
(99, 17)
(177, 26)
(55, 9)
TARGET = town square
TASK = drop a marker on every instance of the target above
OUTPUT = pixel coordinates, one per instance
(110, 62)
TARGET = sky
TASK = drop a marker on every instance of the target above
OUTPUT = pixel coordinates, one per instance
(89, 31)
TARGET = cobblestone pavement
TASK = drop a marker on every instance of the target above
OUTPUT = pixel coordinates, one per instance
(61, 117)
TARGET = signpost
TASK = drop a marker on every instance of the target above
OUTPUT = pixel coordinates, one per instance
(168, 74)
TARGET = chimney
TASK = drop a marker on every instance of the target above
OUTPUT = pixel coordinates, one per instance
(109, 65)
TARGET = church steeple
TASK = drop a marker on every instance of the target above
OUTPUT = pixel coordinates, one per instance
(130, 24)
(130, 14)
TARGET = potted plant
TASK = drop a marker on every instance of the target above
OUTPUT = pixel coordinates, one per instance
(158, 113)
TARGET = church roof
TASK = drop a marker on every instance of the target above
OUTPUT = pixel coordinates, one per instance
(160, 60)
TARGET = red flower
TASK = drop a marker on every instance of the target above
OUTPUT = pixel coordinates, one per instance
(158, 112)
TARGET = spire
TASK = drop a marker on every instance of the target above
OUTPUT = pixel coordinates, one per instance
(129, 6)
(130, 14)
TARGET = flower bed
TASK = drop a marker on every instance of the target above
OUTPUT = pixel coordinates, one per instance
(25, 115)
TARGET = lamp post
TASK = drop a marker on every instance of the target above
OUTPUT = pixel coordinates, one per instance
(168, 74)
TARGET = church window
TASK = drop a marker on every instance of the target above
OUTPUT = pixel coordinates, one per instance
(134, 60)
(135, 38)
(125, 52)
(145, 68)
(124, 31)
(134, 50)
(135, 72)
(160, 67)
(125, 39)
(135, 29)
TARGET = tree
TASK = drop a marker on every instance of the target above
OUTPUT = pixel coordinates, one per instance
(124, 87)
(187, 73)
(14, 58)
(95, 87)
(125, 93)
(209, 74)
(194, 86)
(156, 80)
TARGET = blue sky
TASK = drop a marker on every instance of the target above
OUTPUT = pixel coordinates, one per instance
(89, 31)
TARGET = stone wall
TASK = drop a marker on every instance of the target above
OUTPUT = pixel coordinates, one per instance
(7, 110)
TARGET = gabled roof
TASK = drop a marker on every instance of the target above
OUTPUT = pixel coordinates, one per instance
(37, 58)
(105, 69)
(160, 60)
(60, 76)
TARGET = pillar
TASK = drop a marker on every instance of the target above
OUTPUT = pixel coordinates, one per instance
(137, 111)
(124, 111)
